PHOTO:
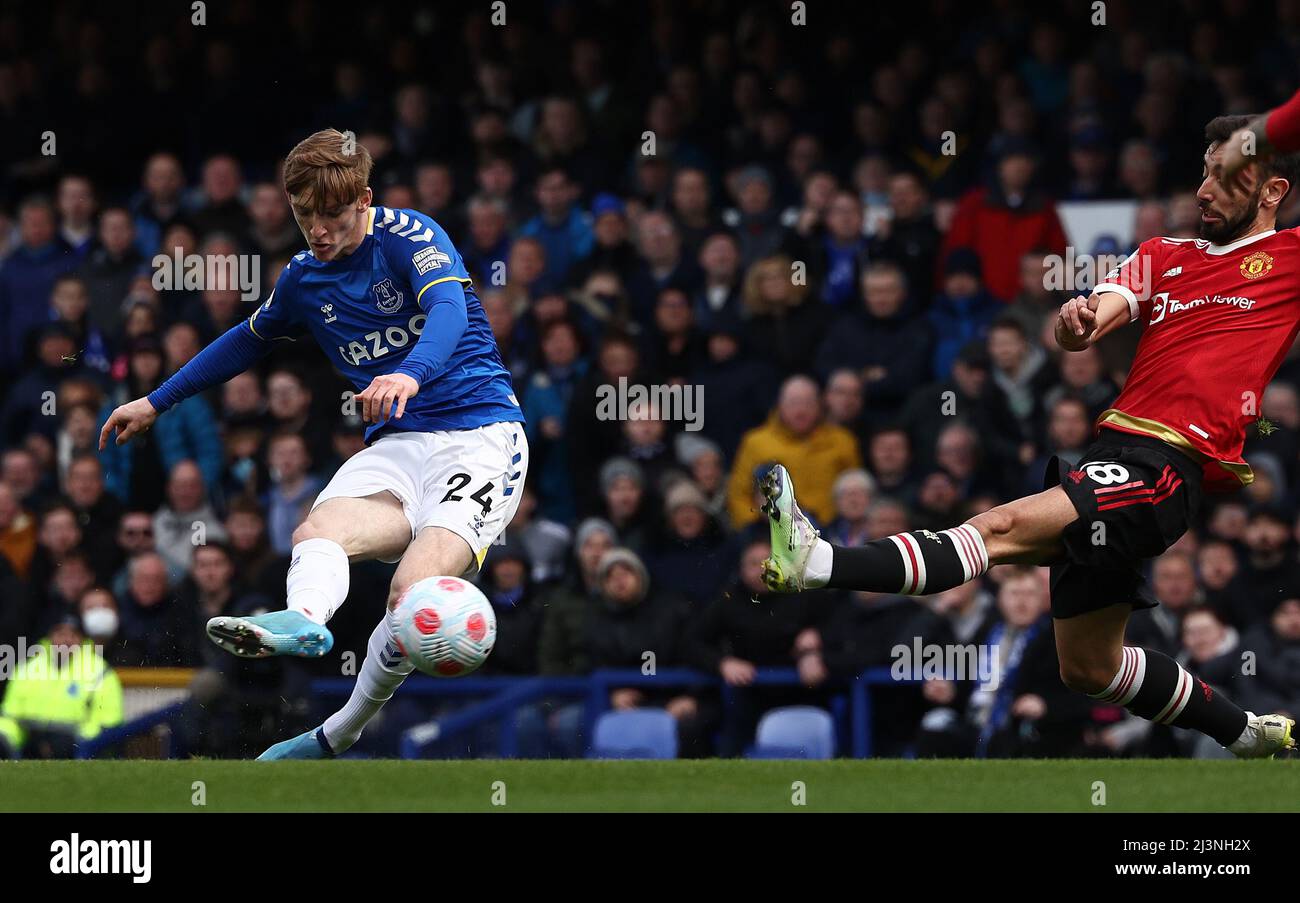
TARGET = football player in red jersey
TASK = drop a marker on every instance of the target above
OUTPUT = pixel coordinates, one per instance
(1220, 311)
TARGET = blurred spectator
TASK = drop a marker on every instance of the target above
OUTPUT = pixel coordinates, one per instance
(187, 519)
(1173, 581)
(70, 305)
(137, 471)
(157, 626)
(1020, 374)
(797, 435)
(97, 511)
(909, 237)
(546, 401)
(690, 559)
(17, 532)
(158, 203)
(27, 278)
(784, 325)
(880, 341)
(1275, 644)
(487, 246)
(962, 311)
(293, 489)
(853, 493)
(1018, 707)
(738, 388)
(560, 225)
(508, 586)
(719, 297)
(663, 264)
(568, 606)
(76, 202)
(64, 695)
(1006, 220)
(1269, 572)
(836, 254)
(109, 268)
(633, 618)
(745, 627)
(29, 407)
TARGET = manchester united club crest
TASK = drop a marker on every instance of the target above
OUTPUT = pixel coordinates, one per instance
(1255, 265)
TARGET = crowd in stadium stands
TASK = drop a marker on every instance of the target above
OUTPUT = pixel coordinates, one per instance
(837, 234)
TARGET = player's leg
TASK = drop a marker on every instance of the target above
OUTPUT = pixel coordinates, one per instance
(471, 497)
(436, 551)
(918, 562)
(337, 531)
(1151, 685)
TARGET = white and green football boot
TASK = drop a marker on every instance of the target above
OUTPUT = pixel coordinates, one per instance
(793, 535)
(1265, 737)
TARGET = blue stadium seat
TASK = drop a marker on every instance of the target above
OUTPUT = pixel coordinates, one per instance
(637, 734)
(795, 732)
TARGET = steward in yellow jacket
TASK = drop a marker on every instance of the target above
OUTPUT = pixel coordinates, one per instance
(63, 686)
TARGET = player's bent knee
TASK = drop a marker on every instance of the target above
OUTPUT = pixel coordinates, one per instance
(305, 531)
(1085, 677)
(396, 590)
(995, 523)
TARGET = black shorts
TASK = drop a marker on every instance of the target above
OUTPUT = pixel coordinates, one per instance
(1135, 496)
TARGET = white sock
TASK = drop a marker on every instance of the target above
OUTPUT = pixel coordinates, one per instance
(318, 579)
(817, 571)
(381, 674)
(1246, 742)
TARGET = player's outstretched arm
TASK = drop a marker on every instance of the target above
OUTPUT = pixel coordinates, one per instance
(1086, 318)
(234, 352)
(1277, 131)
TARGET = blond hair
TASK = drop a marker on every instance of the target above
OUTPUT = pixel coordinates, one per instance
(752, 290)
(327, 169)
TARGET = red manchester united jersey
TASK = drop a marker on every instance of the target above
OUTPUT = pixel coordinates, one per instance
(1219, 319)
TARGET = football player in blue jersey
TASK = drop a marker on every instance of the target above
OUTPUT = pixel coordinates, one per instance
(387, 297)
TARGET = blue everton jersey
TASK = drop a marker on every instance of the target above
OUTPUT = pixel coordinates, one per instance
(368, 310)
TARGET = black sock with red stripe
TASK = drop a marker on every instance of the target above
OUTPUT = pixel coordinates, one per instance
(1153, 686)
(912, 564)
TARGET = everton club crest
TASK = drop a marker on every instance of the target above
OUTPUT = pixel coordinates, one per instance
(387, 299)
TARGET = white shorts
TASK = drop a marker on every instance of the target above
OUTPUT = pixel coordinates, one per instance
(468, 481)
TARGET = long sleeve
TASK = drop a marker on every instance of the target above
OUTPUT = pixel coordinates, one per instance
(444, 305)
(234, 352)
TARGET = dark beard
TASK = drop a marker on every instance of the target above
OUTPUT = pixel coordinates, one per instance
(1228, 231)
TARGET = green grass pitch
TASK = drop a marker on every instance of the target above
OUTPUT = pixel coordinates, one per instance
(679, 786)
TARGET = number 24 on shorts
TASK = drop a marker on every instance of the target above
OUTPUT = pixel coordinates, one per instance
(458, 482)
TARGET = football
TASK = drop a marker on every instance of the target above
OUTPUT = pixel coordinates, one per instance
(445, 626)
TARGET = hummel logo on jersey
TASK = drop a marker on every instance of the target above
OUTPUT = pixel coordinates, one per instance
(430, 259)
(387, 298)
(328, 311)
(1172, 272)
